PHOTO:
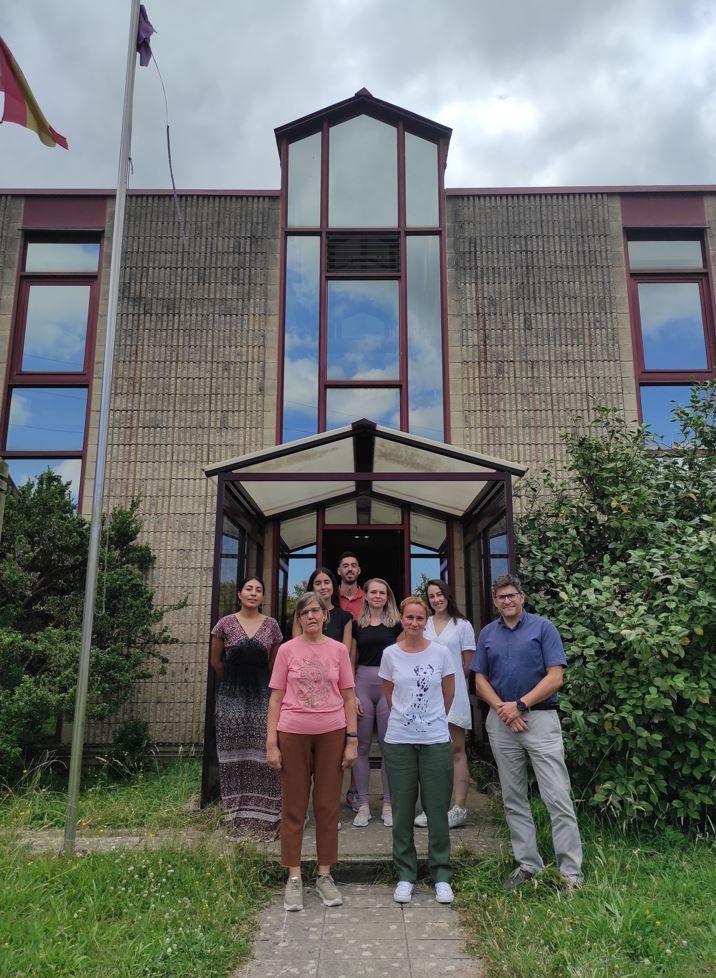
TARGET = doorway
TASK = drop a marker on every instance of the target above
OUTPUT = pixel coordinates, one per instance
(380, 553)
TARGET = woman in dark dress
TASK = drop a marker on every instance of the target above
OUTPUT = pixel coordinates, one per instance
(243, 648)
(339, 623)
(378, 626)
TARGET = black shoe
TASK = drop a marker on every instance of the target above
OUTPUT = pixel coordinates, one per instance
(516, 879)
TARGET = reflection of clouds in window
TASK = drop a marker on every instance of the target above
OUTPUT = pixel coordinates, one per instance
(363, 330)
(657, 406)
(424, 337)
(300, 393)
(343, 407)
(304, 181)
(47, 419)
(68, 469)
(363, 177)
(62, 256)
(421, 181)
(671, 325)
(56, 328)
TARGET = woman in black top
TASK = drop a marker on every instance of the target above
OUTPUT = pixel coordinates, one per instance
(377, 627)
(339, 624)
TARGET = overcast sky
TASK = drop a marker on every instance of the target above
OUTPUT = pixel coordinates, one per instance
(538, 92)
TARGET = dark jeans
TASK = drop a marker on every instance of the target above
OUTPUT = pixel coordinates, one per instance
(428, 769)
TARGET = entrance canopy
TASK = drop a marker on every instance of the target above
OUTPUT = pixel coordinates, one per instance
(361, 460)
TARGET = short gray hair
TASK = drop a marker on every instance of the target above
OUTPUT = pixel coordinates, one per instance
(507, 580)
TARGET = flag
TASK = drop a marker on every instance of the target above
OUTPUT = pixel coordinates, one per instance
(20, 104)
(144, 32)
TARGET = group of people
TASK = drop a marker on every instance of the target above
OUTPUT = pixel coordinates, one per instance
(292, 716)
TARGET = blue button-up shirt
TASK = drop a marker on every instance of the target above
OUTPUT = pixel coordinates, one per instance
(515, 659)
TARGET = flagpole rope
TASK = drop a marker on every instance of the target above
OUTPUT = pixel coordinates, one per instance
(180, 219)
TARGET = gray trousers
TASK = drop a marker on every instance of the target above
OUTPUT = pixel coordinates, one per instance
(542, 745)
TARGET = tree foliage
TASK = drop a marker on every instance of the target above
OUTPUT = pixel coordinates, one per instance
(621, 555)
(43, 557)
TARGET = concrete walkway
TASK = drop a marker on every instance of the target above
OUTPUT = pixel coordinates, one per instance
(370, 936)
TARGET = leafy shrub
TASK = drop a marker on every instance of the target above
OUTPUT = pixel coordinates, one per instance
(621, 555)
(43, 558)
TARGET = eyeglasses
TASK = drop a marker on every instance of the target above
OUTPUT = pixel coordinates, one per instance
(310, 611)
(508, 597)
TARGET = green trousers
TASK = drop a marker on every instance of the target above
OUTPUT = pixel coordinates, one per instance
(427, 769)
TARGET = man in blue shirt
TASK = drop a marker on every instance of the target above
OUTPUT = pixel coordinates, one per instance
(518, 666)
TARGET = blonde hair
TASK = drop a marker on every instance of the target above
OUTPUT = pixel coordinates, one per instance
(389, 615)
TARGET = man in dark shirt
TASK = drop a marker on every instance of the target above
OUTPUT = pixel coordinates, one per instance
(518, 666)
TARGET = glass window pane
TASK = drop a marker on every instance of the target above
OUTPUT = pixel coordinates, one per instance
(421, 182)
(304, 182)
(346, 405)
(56, 328)
(300, 386)
(363, 174)
(341, 513)
(62, 256)
(498, 566)
(425, 355)
(497, 539)
(47, 419)
(422, 570)
(672, 327)
(384, 513)
(227, 587)
(230, 537)
(68, 469)
(665, 254)
(657, 404)
(363, 331)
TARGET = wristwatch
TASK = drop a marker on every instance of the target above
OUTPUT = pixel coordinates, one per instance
(351, 734)
(522, 707)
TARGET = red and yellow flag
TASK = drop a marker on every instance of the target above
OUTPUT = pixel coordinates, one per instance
(20, 104)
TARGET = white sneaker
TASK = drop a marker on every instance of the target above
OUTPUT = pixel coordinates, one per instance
(387, 816)
(362, 818)
(457, 817)
(444, 893)
(421, 820)
(403, 893)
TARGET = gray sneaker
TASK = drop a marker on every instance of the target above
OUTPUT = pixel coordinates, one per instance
(293, 894)
(421, 820)
(328, 891)
(517, 878)
(457, 817)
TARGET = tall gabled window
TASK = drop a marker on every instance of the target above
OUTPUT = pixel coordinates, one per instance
(363, 305)
(52, 356)
(672, 320)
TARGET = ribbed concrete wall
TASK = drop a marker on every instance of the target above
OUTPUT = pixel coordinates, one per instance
(538, 319)
(194, 383)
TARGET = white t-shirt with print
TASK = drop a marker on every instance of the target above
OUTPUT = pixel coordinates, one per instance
(418, 712)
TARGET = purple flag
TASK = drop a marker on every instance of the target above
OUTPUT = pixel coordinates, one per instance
(144, 32)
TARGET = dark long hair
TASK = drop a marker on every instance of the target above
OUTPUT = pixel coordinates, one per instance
(452, 608)
(334, 581)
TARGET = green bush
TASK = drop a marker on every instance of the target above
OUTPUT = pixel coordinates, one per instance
(43, 558)
(621, 555)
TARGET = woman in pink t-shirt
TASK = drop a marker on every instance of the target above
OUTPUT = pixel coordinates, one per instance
(311, 734)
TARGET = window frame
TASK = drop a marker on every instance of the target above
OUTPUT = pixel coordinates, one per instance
(658, 377)
(17, 378)
(323, 232)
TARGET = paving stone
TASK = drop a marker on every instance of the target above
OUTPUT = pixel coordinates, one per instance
(441, 948)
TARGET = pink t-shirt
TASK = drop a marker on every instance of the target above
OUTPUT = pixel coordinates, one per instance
(312, 677)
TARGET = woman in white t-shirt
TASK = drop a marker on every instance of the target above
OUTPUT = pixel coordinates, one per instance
(419, 681)
(450, 627)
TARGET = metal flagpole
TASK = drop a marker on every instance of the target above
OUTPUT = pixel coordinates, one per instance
(96, 518)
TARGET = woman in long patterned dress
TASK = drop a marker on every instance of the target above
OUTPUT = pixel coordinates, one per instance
(243, 648)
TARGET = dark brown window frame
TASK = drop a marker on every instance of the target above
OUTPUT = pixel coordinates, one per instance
(323, 230)
(16, 378)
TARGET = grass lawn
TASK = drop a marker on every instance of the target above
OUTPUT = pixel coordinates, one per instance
(170, 913)
(648, 908)
(154, 799)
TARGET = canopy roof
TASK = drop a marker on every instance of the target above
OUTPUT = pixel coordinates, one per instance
(364, 459)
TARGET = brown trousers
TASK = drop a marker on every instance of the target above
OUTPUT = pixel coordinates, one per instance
(306, 756)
